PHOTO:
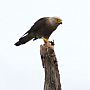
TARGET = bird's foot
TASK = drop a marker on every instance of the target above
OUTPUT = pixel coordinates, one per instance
(52, 43)
(45, 40)
(49, 44)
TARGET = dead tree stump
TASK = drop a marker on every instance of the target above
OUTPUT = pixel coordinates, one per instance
(50, 65)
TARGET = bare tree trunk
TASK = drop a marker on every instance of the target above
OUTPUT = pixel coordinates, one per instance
(49, 62)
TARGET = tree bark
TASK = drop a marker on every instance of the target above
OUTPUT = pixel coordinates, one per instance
(50, 65)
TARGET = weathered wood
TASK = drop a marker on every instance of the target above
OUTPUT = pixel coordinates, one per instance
(49, 62)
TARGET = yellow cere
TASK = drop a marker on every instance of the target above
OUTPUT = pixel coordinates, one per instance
(59, 20)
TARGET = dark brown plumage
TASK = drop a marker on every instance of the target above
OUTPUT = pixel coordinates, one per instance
(42, 28)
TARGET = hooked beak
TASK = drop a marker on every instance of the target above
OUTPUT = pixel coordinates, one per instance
(59, 21)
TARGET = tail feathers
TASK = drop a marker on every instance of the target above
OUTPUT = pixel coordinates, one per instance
(18, 43)
(23, 40)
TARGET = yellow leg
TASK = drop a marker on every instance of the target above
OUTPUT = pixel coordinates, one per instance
(47, 43)
(45, 40)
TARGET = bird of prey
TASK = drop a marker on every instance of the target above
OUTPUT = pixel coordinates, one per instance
(42, 28)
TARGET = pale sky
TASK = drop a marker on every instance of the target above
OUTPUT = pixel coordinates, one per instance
(21, 67)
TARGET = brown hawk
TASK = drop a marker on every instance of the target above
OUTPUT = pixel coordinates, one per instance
(42, 28)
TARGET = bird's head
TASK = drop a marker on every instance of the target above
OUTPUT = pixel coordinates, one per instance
(55, 21)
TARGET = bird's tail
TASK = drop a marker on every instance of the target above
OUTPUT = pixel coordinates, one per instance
(23, 40)
(17, 43)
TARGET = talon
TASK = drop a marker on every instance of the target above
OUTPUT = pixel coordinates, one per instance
(52, 42)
